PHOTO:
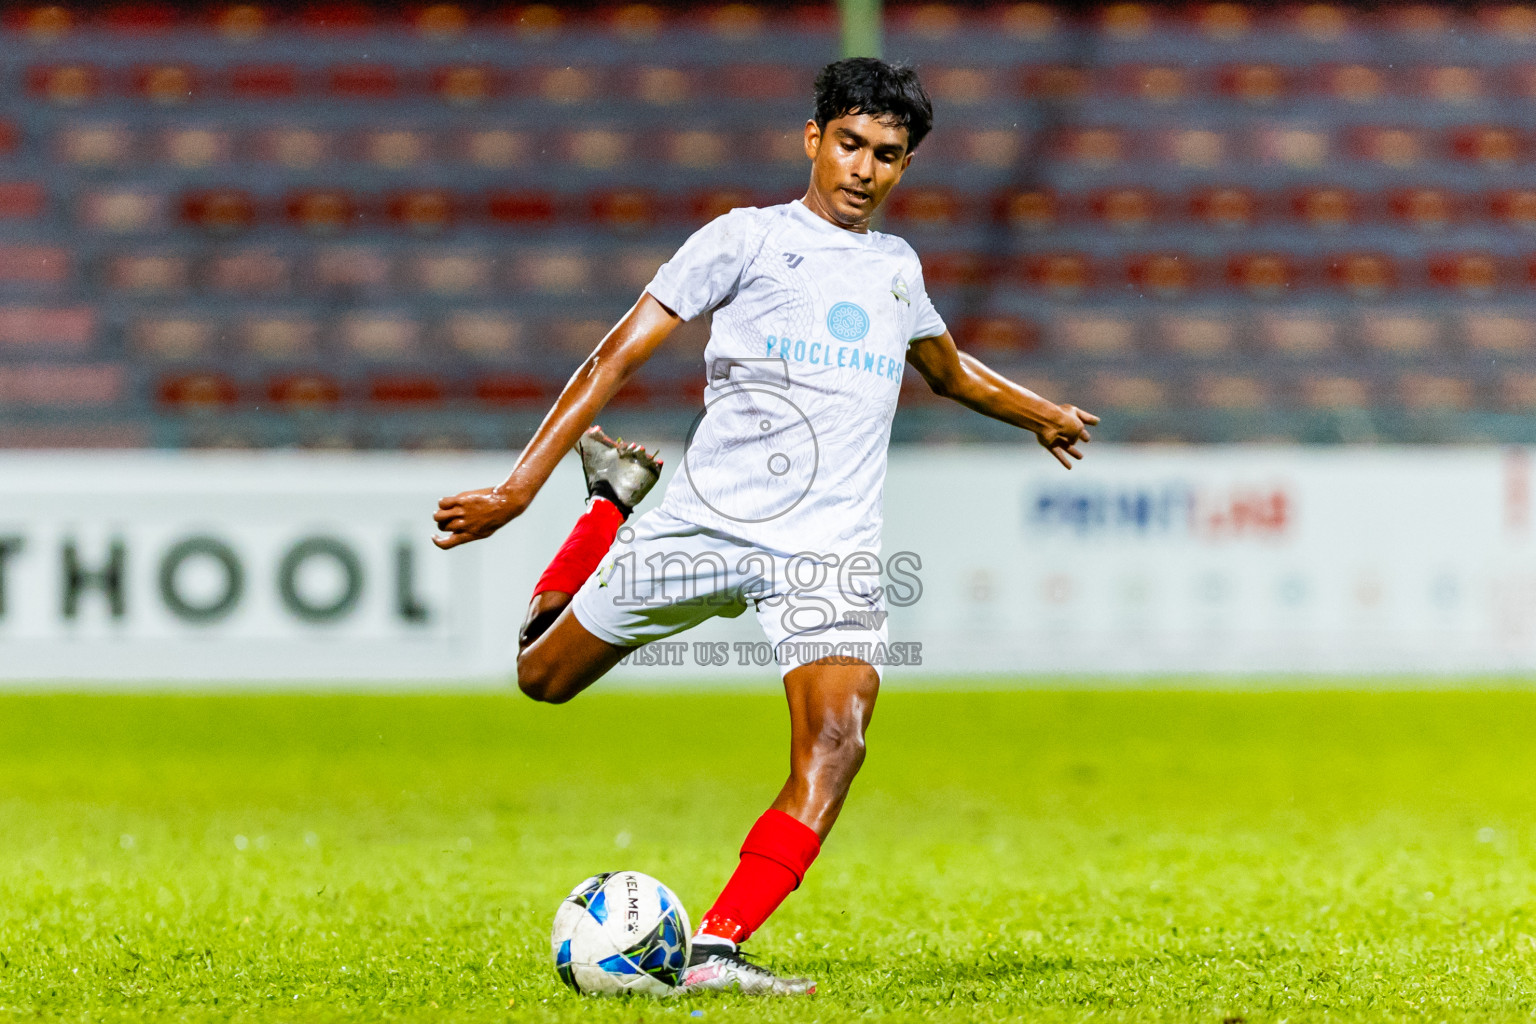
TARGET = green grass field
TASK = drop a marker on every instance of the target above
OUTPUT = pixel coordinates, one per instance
(1034, 855)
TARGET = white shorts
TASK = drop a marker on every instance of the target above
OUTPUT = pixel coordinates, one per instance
(663, 575)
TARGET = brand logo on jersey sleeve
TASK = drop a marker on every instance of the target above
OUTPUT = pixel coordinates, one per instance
(847, 322)
(899, 289)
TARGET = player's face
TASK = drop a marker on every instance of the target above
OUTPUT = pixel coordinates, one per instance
(855, 162)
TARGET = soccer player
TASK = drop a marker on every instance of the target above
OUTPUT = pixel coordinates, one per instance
(779, 502)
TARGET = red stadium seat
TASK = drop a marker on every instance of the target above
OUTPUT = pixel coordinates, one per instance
(1126, 21)
(166, 84)
(423, 211)
(1326, 209)
(1063, 274)
(522, 209)
(517, 390)
(534, 21)
(736, 22)
(1163, 275)
(1031, 210)
(304, 391)
(1428, 209)
(1255, 84)
(1490, 146)
(322, 212)
(65, 85)
(10, 138)
(44, 23)
(1515, 22)
(22, 200)
(1398, 147)
(761, 82)
(198, 391)
(1126, 209)
(1353, 83)
(34, 266)
(364, 81)
(1320, 22)
(1515, 207)
(567, 85)
(337, 17)
(1159, 84)
(625, 209)
(1264, 275)
(441, 21)
(1452, 84)
(962, 86)
(961, 269)
(1470, 274)
(932, 21)
(1227, 208)
(1060, 83)
(703, 207)
(240, 22)
(139, 19)
(466, 85)
(1364, 275)
(1029, 21)
(69, 385)
(222, 211)
(1094, 148)
(636, 22)
(407, 389)
(1003, 335)
(264, 82)
(927, 208)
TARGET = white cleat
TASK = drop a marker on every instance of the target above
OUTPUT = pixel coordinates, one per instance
(721, 967)
(622, 473)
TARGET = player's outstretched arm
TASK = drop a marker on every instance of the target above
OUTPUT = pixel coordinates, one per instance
(476, 514)
(966, 379)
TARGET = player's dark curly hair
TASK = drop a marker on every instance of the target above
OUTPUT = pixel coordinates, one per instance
(868, 85)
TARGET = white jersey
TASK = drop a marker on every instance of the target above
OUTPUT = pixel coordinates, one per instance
(803, 369)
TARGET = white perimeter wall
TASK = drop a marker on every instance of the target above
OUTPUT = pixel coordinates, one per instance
(1140, 561)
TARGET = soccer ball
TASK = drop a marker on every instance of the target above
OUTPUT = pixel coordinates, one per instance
(621, 932)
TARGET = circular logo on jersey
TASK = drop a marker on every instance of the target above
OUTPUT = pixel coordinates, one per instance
(751, 455)
(847, 322)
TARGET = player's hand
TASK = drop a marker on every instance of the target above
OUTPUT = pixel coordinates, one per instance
(474, 515)
(1070, 429)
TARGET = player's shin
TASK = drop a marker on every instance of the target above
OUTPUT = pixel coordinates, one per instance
(584, 548)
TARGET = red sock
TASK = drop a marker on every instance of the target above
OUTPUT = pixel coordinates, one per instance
(777, 853)
(589, 541)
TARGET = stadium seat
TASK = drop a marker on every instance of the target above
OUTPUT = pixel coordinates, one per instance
(1335, 392)
(295, 148)
(626, 210)
(33, 267)
(220, 211)
(698, 148)
(1254, 84)
(553, 272)
(496, 147)
(364, 82)
(1063, 275)
(1515, 208)
(1093, 334)
(1293, 147)
(64, 385)
(256, 273)
(425, 211)
(1163, 275)
(322, 211)
(43, 23)
(441, 22)
(173, 337)
(97, 145)
(304, 391)
(1452, 85)
(636, 23)
(1199, 336)
(122, 211)
(483, 335)
(1232, 391)
(1405, 333)
(1033, 22)
(379, 335)
(1126, 209)
(567, 85)
(1094, 148)
(158, 275)
(929, 21)
(397, 148)
(1032, 210)
(956, 269)
(65, 85)
(522, 209)
(1470, 274)
(195, 148)
(634, 268)
(534, 21)
(1426, 392)
(516, 390)
(703, 207)
(661, 86)
(1489, 146)
(598, 148)
(452, 273)
(1158, 84)
(1299, 335)
(1503, 333)
(930, 209)
(1427, 209)
(1364, 275)
(1126, 21)
(10, 137)
(1000, 335)
(1326, 209)
(279, 337)
(1320, 22)
(407, 389)
(992, 147)
(344, 271)
(65, 329)
(1398, 147)
(348, 18)
(139, 18)
(240, 23)
(961, 86)
(1055, 83)
(466, 85)
(1264, 275)
(1225, 208)
(761, 82)
(1133, 393)
(1354, 83)
(736, 22)
(203, 390)
(166, 84)
(264, 82)
(1517, 391)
